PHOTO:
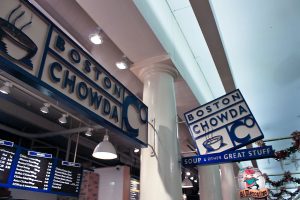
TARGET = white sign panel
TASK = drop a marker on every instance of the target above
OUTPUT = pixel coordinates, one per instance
(37, 52)
(223, 124)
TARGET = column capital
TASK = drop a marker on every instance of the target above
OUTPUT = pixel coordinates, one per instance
(159, 64)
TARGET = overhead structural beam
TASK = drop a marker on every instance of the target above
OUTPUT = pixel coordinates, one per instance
(163, 23)
(207, 23)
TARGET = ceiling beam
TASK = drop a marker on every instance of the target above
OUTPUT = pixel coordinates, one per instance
(207, 23)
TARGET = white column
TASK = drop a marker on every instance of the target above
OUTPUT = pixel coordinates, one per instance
(160, 175)
(209, 182)
(229, 184)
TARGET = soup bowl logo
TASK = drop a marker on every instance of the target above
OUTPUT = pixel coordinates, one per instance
(9, 31)
(214, 143)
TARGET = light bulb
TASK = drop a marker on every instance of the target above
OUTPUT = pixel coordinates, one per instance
(96, 38)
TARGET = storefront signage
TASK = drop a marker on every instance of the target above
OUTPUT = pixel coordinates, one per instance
(37, 52)
(37, 171)
(230, 156)
(223, 124)
(252, 183)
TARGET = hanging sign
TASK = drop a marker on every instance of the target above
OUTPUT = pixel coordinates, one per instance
(35, 51)
(229, 156)
(252, 183)
(223, 124)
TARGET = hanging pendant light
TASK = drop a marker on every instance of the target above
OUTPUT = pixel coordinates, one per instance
(105, 150)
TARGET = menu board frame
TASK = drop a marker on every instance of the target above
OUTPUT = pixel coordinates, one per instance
(55, 161)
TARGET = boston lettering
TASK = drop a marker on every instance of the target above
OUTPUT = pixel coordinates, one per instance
(213, 107)
(90, 69)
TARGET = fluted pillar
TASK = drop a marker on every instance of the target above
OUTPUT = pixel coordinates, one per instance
(209, 182)
(229, 184)
(160, 174)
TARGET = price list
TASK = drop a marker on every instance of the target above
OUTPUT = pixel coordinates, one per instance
(36, 171)
(33, 170)
(134, 189)
(7, 153)
(67, 178)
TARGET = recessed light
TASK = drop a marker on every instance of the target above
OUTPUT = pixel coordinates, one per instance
(124, 63)
(96, 38)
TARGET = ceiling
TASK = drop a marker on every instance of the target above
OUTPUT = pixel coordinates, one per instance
(259, 41)
(216, 46)
(263, 52)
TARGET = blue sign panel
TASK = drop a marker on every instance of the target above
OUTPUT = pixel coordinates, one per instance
(39, 154)
(225, 123)
(230, 156)
(6, 143)
(70, 164)
(38, 53)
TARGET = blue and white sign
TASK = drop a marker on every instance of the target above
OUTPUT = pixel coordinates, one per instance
(6, 143)
(223, 124)
(70, 164)
(39, 154)
(35, 51)
(230, 156)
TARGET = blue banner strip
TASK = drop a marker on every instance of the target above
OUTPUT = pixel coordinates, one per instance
(70, 164)
(39, 154)
(230, 156)
(6, 143)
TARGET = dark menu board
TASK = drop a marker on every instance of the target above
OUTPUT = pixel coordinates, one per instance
(36, 171)
(7, 153)
(33, 170)
(67, 177)
(134, 189)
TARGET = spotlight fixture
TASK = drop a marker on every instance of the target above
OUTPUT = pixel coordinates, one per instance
(63, 119)
(188, 173)
(5, 89)
(186, 183)
(89, 132)
(97, 38)
(45, 108)
(136, 150)
(124, 63)
(192, 178)
(196, 181)
(105, 150)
